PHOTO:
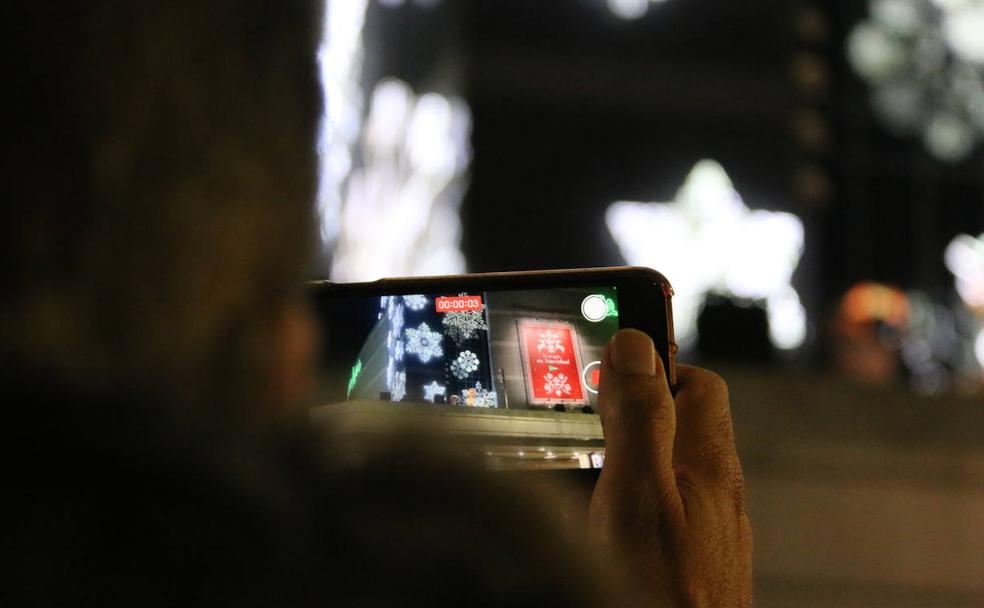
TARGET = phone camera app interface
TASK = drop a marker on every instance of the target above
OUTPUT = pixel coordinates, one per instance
(530, 349)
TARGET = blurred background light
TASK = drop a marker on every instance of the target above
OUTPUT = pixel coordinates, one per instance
(964, 257)
(630, 9)
(707, 241)
(392, 168)
(340, 61)
(398, 3)
(399, 215)
(924, 61)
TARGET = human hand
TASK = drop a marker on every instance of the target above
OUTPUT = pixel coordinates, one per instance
(671, 496)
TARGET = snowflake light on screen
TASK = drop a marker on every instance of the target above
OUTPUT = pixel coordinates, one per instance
(924, 61)
(479, 397)
(463, 325)
(464, 365)
(433, 390)
(708, 241)
(392, 177)
(423, 342)
(415, 302)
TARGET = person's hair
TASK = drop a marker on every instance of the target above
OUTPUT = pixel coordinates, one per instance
(159, 186)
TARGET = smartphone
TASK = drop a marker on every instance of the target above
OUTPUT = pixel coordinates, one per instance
(499, 342)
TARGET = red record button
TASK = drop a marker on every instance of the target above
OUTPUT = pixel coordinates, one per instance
(592, 376)
(458, 303)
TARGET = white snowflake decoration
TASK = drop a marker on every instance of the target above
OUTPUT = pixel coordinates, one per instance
(479, 397)
(550, 341)
(424, 342)
(398, 388)
(464, 365)
(463, 325)
(707, 241)
(415, 302)
(432, 390)
(557, 385)
(486, 397)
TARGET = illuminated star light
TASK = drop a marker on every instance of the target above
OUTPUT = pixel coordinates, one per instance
(432, 390)
(424, 342)
(708, 241)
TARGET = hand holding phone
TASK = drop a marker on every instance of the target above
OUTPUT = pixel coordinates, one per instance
(671, 497)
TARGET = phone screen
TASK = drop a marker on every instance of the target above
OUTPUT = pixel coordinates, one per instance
(528, 349)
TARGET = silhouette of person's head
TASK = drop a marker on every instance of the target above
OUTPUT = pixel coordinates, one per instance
(159, 189)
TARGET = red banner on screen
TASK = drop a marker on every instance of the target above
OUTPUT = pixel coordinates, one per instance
(553, 362)
(458, 303)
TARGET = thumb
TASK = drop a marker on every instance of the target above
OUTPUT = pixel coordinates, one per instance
(638, 416)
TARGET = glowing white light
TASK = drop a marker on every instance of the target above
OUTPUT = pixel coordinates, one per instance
(925, 62)
(964, 257)
(963, 27)
(399, 3)
(787, 320)
(875, 53)
(630, 9)
(948, 137)
(391, 181)
(901, 16)
(400, 215)
(979, 347)
(708, 241)
(340, 62)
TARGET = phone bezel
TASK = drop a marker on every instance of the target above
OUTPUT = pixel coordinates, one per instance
(644, 295)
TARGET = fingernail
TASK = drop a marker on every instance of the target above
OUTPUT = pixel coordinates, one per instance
(633, 353)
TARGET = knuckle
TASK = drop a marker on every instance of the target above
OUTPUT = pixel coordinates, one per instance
(719, 462)
(711, 385)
